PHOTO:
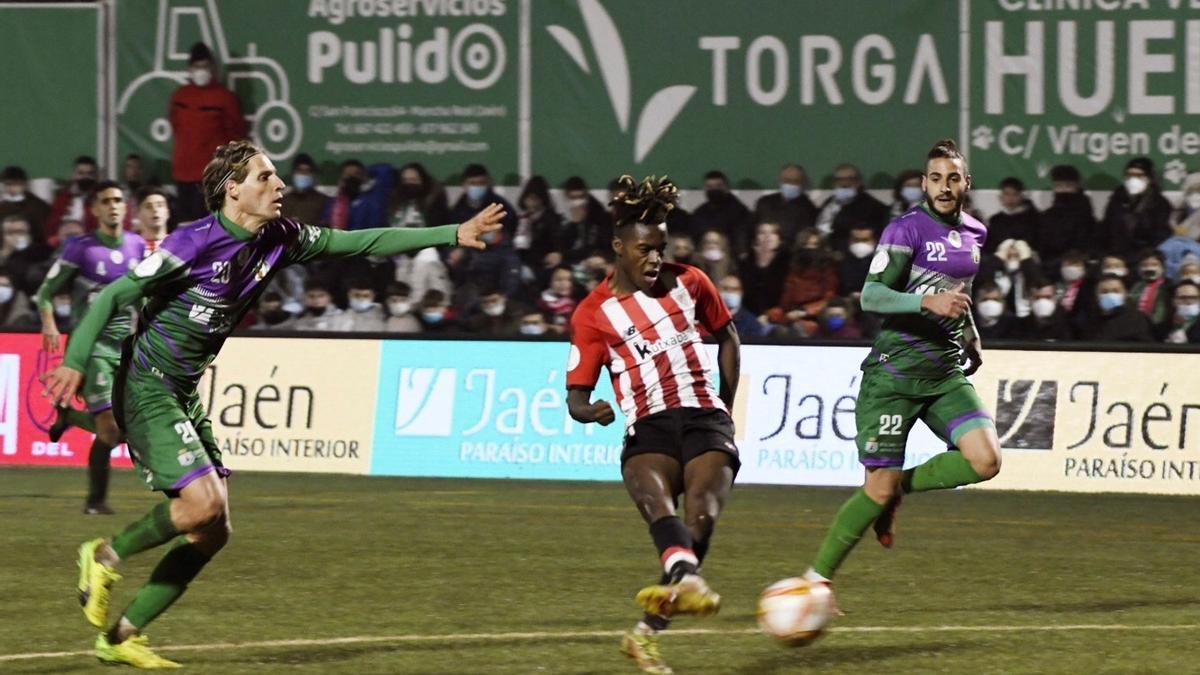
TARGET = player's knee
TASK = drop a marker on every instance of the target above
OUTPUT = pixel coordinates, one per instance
(986, 464)
(203, 511)
(109, 434)
(882, 485)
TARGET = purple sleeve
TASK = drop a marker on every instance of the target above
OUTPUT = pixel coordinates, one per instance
(73, 252)
(180, 246)
(898, 234)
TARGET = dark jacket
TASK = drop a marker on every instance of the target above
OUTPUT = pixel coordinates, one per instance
(1020, 225)
(1133, 224)
(1126, 324)
(1054, 328)
(791, 215)
(762, 286)
(464, 211)
(1005, 328)
(1069, 223)
(852, 273)
(729, 216)
(862, 210)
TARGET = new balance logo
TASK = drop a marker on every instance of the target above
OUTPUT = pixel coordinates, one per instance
(1025, 414)
(631, 331)
(425, 401)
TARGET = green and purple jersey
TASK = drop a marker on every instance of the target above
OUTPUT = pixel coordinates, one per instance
(922, 254)
(206, 275)
(89, 263)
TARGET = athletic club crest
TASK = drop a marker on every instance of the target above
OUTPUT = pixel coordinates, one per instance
(955, 239)
(975, 253)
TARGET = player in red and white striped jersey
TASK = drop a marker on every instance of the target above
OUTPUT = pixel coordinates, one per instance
(645, 322)
(153, 212)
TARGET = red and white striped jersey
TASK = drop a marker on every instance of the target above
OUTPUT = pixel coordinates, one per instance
(651, 344)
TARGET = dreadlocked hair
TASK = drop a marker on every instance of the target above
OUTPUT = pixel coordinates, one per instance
(230, 162)
(647, 202)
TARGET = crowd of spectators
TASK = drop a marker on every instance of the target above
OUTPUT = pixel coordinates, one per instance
(786, 266)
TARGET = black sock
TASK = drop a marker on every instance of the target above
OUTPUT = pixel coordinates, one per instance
(98, 463)
(700, 547)
(674, 543)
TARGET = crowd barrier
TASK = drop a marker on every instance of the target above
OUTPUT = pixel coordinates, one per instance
(1075, 421)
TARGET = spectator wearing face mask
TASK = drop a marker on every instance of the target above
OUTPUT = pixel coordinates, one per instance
(1150, 292)
(203, 114)
(495, 315)
(401, 310)
(70, 202)
(837, 322)
(1016, 219)
(1069, 223)
(1077, 297)
(716, 259)
(15, 310)
(1046, 321)
(533, 324)
(721, 212)
(418, 199)
(270, 314)
(1117, 319)
(763, 271)
(849, 206)
(1137, 215)
(682, 250)
(539, 239)
(789, 208)
(498, 266)
(852, 272)
(1011, 267)
(558, 301)
(591, 221)
(23, 257)
(906, 193)
(1189, 270)
(303, 201)
(1183, 328)
(437, 316)
(745, 321)
(17, 200)
(363, 314)
(1185, 220)
(362, 197)
(992, 317)
(319, 314)
(1176, 251)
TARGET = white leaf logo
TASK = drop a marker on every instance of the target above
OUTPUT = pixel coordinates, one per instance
(609, 51)
(656, 117)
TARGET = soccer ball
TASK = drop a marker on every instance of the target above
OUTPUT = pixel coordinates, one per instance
(795, 611)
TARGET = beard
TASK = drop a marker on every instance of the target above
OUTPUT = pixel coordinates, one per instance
(958, 203)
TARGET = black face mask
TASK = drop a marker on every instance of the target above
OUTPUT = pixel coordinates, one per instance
(715, 196)
(85, 185)
(315, 311)
(352, 186)
(807, 256)
(409, 191)
(275, 316)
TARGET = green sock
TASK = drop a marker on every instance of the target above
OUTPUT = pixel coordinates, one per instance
(168, 581)
(852, 520)
(98, 464)
(945, 470)
(82, 419)
(153, 529)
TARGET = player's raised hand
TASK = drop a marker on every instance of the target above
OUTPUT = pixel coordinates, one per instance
(61, 385)
(488, 220)
(50, 338)
(603, 413)
(952, 304)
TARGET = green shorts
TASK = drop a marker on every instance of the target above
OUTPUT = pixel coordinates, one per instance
(888, 407)
(170, 438)
(99, 373)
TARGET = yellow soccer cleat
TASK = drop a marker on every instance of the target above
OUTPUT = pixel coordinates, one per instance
(95, 584)
(643, 648)
(133, 652)
(690, 595)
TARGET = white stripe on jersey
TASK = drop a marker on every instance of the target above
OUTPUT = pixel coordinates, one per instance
(697, 345)
(623, 324)
(679, 365)
(624, 388)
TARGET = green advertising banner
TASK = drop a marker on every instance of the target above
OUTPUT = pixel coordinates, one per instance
(680, 87)
(380, 80)
(50, 113)
(1092, 84)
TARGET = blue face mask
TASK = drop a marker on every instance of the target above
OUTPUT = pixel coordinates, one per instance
(476, 193)
(911, 193)
(844, 194)
(1111, 301)
(732, 300)
(433, 317)
(790, 191)
(835, 323)
(303, 181)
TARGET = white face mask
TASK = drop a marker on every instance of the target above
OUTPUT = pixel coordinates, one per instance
(861, 249)
(532, 329)
(1119, 271)
(62, 309)
(399, 308)
(1070, 274)
(1188, 312)
(200, 76)
(1012, 265)
(494, 309)
(21, 242)
(6, 293)
(1193, 201)
(5, 196)
(1135, 185)
(1194, 278)
(912, 193)
(714, 254)
(1043, 307)
(990, 309)
(361, 304)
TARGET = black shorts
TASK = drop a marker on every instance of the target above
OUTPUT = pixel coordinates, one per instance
(682, 433)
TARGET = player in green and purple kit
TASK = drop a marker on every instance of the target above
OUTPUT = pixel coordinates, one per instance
(920, 280)
(198, 285)
(86, 266)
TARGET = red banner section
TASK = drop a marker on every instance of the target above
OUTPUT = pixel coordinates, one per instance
(25, 414)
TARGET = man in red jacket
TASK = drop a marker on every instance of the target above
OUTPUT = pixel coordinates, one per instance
(204, 114)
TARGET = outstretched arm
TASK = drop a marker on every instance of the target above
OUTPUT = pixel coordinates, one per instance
(386, 241)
